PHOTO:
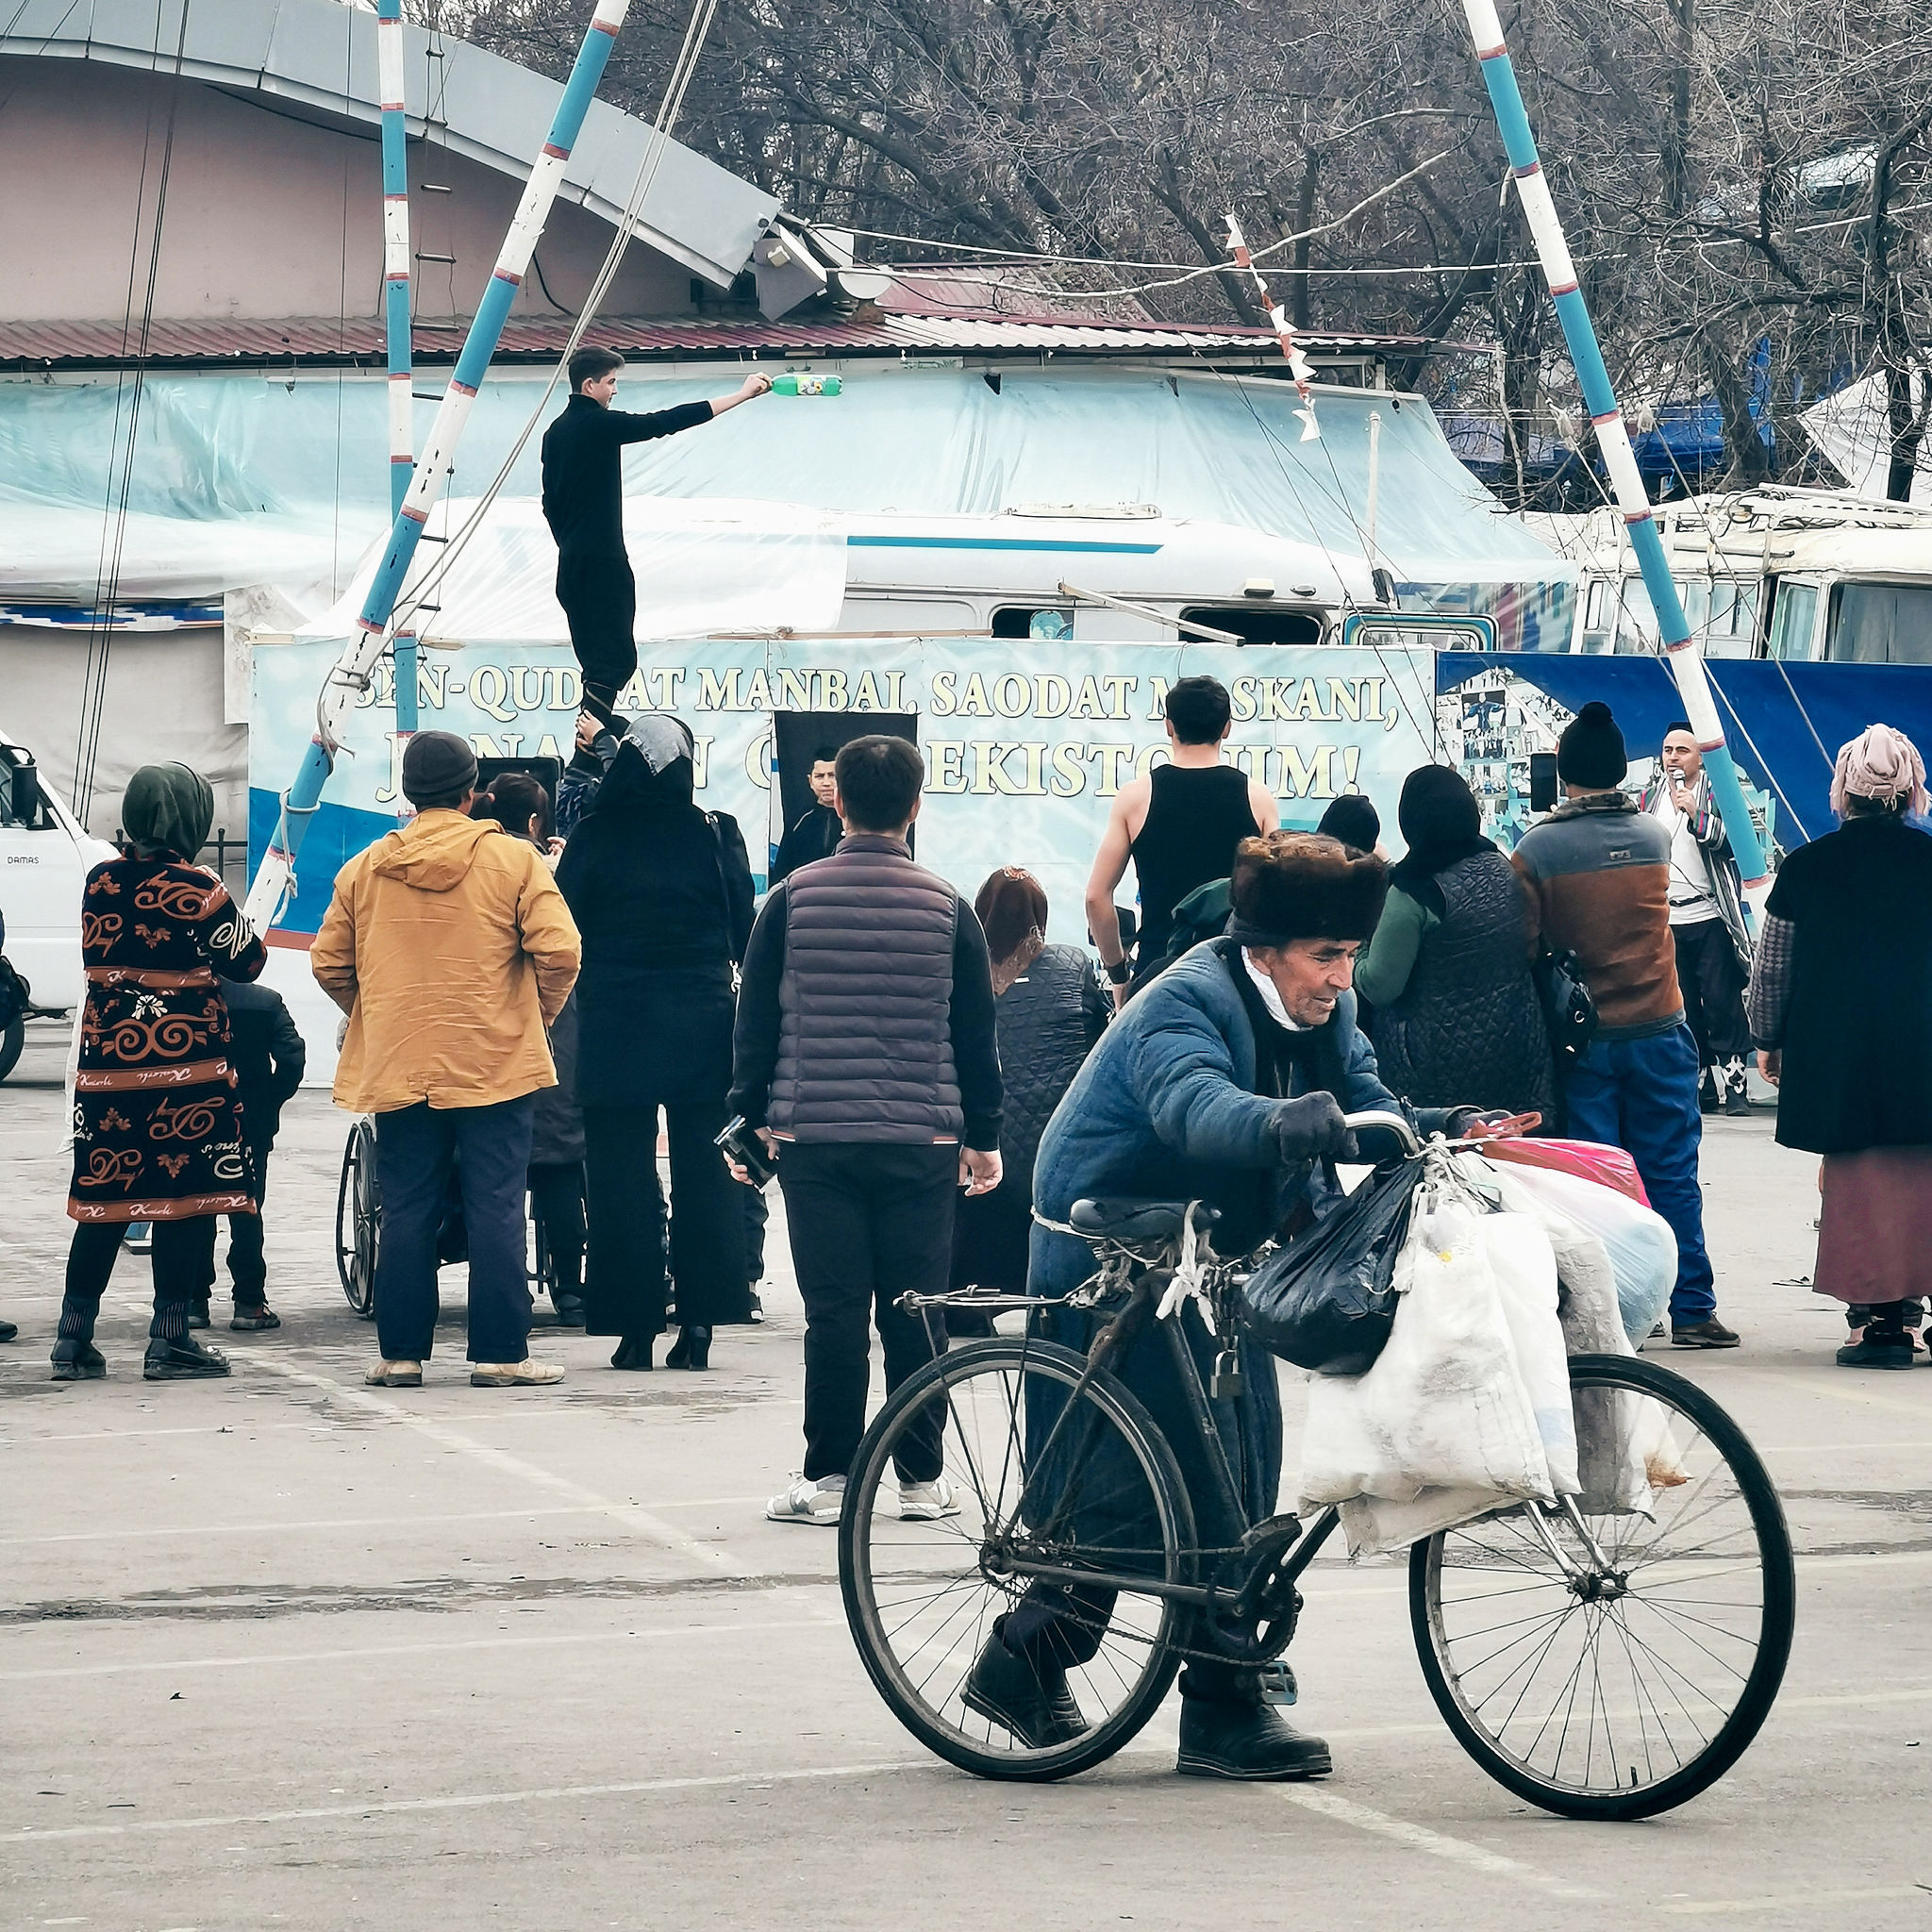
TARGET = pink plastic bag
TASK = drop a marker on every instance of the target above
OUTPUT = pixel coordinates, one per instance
(1589, 1160)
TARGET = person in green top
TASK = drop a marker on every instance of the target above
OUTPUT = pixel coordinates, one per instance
(1448, 967)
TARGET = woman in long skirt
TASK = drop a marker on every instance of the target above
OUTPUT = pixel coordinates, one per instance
(1841, 1009)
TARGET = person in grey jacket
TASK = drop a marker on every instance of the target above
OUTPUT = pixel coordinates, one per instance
(1050, 1011)
(865, 1056)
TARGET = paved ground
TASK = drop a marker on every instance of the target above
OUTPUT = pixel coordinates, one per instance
(280, 1650)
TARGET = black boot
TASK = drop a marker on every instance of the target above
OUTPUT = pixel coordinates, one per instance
(1877, 1348)
(187, 1361)
(1237, 1736)
(570, 1308)
(632, 1352)
(78, 1361)
(1030, 1700)
(692, 1350)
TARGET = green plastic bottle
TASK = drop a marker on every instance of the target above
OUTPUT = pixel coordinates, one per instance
(805, 386)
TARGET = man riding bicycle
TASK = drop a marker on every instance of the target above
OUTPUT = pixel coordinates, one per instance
(1225, 1082)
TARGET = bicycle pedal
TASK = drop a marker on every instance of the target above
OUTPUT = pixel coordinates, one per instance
(1278, 1683)
(1228, 1375)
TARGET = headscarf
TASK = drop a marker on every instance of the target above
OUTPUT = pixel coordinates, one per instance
(167, 809)
(1881, 764)
(1443, 824)
(1354, 821)
(1011, 906)
(652, 771)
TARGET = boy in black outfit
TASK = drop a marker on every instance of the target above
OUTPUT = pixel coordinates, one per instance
(268, 1056)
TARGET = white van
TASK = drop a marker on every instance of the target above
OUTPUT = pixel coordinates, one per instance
(45, 857)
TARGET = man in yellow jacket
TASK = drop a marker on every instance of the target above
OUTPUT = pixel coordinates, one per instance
(450, 948)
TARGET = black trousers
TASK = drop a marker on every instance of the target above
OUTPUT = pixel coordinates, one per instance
(1712, 984)
(179, 1249)
(600, 599)
(557, 1194)
(624, 1262)
(869, 1221)
(415, 1147)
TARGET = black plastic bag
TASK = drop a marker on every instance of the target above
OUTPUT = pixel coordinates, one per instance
(1326, 1302)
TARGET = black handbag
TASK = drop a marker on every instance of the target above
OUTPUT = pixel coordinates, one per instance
(1569, 1012)
(1326, 1302)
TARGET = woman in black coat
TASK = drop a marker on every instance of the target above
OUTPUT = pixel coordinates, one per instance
(661, 892)
(1841, 1008)
(1457, 1021)
(1049, 1010)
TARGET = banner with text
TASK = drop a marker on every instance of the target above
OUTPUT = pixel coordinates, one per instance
(1027, 745)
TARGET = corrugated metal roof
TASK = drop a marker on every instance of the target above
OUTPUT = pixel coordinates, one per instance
(325, 339)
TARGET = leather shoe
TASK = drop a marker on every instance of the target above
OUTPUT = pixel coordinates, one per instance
(692, 1350)
(1245, 1740)
(78, 1361)
(1031, 1701)
(570, 1310)
(632, 1352)
(8, 1331)
(247, 1320)
(198, 1315)
(1710, 1333)
(187, 1361)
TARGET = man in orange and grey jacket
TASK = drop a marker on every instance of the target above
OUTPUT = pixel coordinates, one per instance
(1597, 873)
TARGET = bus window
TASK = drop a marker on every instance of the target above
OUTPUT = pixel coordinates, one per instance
(1597, 617)
(1880, 623)
(1791, 616)
(1011, 621)
(1637, 634)
(1260, 624)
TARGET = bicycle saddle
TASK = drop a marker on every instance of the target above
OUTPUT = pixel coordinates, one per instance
(1126, 1219)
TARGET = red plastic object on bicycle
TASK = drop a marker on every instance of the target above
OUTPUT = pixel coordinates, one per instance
(1589, 1160)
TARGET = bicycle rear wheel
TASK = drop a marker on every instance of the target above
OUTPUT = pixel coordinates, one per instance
(1614, 1658)
(1083, 1481)
(358, 1219)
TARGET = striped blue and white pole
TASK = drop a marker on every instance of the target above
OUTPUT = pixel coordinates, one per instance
(395, 312)
(1613, 438)
(362, 653)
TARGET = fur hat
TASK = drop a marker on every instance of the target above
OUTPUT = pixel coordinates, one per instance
(1303, 886)
(1591, 751)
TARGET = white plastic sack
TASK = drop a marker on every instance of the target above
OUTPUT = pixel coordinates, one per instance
(1445, 1406)
(1642, 1249)
(1525, 1265)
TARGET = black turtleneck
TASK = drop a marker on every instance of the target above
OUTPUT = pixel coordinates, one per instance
(583, 480)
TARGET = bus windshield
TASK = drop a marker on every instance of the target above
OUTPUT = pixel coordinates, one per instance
(1880, 623)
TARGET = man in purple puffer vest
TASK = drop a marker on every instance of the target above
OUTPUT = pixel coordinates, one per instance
(866, 1059)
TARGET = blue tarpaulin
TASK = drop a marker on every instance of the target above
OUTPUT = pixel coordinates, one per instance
(1784, 722)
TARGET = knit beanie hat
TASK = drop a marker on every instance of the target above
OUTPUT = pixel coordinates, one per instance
(1590, 752)
(438, 766)
(1303, 886)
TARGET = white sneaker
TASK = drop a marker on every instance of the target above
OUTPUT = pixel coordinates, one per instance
(524, 1374)
(927, 1502)
(807, 1501)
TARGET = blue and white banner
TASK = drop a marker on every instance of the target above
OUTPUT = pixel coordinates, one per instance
(1027, 743)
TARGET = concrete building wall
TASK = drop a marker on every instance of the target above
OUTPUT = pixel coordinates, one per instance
(266, 215)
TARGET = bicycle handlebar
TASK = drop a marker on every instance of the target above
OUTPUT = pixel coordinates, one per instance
(1380, 1117)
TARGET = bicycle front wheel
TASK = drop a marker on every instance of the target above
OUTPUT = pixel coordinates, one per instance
(1615, 1656)
(1043, 1472)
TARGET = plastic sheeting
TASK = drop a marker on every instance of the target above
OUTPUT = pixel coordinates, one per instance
(700, 567)
(283, 476)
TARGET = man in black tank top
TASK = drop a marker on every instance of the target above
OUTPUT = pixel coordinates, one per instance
(1180, 825)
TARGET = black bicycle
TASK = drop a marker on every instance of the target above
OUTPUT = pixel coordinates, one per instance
(1610, 1654)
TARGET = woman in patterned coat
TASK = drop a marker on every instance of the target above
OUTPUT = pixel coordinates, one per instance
(156, 1125)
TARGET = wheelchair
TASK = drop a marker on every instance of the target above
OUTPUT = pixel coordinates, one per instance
(359, 1229)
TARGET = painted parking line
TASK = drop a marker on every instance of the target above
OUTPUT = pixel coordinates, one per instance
(1792, 1900)
(472, 1799)
(629, 1514)
(1420, 1838)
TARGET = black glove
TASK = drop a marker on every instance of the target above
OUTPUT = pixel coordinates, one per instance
(1313, 1126)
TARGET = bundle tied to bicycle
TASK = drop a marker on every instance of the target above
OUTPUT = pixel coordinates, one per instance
(1436, 1310)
